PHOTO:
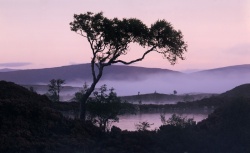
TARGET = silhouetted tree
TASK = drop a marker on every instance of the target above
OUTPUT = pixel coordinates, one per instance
(178, 121)
(139, 98)
(55, 86)
(104, 108)
(32, 89)
(80, 94)
(175, 92)
(109, 39)
(143, 126)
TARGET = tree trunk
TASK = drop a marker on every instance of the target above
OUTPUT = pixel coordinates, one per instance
(58, 97)
(88, 93)
(83, 108)
(84, 101)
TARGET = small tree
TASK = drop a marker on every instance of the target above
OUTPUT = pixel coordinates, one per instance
(139, 99)
(178, 121)
(109, 39)
(175, 92)
(143, 126)
(80, 94)
(104, 108)
(31, 89)
(55, 87)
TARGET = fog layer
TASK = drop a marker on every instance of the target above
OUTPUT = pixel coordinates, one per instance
(163, 83)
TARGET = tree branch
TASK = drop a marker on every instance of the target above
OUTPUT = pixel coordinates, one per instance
(136, 60)
(93, 69)
(81, 33)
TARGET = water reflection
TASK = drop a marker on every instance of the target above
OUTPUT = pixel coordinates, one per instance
(127, 122)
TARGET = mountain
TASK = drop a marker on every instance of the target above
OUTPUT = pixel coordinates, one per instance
(80, 72)
(7, 70)
(158, 98)
(129, 80)
(220, 79)
(234, 70)
(238, 93)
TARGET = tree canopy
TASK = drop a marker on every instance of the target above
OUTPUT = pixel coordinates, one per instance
(110, 38)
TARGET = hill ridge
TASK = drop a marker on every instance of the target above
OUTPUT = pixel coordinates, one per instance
(80, 71)
(244, 66)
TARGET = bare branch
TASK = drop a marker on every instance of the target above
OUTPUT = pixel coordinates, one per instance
(107, 57)
(81, 33)
(136, 60)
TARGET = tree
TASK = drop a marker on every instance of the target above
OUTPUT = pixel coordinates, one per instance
(175, 92)
(109, 39)
(55, 87)
(104, 108)
(32, 89)
(139, 99)
(143, 126)
(178, 121)
(80, 94)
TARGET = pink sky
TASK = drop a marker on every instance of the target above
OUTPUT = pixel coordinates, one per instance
(36, 33)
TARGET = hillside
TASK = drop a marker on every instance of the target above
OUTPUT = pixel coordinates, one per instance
(227, 128)
(74, 73)
(229, 71)
(239, 91)
(7, 70)
(12, 91)
(159, 98)
(29, 124)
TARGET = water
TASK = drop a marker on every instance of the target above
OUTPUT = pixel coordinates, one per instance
(128, 122)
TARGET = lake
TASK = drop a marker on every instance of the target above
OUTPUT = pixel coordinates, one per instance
(127, 122)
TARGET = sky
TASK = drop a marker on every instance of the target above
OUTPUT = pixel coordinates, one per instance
(36, 33)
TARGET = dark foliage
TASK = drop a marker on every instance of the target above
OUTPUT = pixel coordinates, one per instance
(104, 108)
(225, 130)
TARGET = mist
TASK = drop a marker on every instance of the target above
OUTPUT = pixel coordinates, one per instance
(165, 83)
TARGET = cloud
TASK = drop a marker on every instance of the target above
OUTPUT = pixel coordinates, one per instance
(14, 64)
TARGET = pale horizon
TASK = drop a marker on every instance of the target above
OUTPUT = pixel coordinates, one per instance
(36, 33)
